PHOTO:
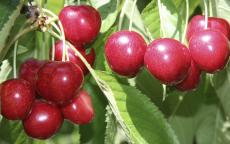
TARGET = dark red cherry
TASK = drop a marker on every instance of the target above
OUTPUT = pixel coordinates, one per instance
(80, 110)
(220, 25)
(168, 60)
(90, 57)
(210, 50)
(59, 81)
(43, 121)
(17, 96)
(124, 51)
(192, 79)
(197, 23)
(81, 23)
(28, 70)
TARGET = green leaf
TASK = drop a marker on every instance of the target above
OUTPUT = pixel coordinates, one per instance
(223, 9)
(55, 5)
(144, 121)
(108, 10)
(150, 87)
(5, 70)
(221, 84)
(11, 132)
(138, 24)
(94, 132)
(111, 127)
(172, 23)
(10, 10)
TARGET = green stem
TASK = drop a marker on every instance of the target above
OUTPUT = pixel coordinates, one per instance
(210, 8)
(78, 2)
(180, 99)
(53, 49)
(54, 34)
(15, 59)
(131, 19)
(164, 92)
(186, 21)
(206, 14)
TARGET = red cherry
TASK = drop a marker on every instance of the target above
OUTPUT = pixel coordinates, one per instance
(220, 25)
(81, 23)
(80, 110)
(197, 23)
(28, 70)
(192, 79)
(124, 51)
(17, 96)
(168, 60)
(73, 57)
(59, 81)
(43, 121)
(210, 50)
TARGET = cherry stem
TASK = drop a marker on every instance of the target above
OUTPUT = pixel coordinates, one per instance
(131, 19)
(15, 59)
(180, 99)
(161, 18)
(53, 49)
(164, 92)
(210, 8)
(122, 15)
(64, 51)
(206, 14)
(186, 21)
(78, 2)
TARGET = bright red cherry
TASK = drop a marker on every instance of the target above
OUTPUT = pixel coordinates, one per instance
(168, 60)
(197, 23)
(59, 81)
(192, 79)
(81, 23)
(210, 50)
(124, 51)
(90, 57)
(17, 96)
(28, 70)
(80, 110)
(43, 121)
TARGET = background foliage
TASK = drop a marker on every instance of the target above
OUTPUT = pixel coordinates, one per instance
(197, 117)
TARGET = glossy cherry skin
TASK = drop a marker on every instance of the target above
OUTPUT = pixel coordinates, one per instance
(192, 79)
(124, 51)
(59, 81)
(197, 23)
(167, 60)
(210, 50)
(80, 110)
(28, 70)
(43, 121)
(90, 57)
(81, 23)
(17, 96)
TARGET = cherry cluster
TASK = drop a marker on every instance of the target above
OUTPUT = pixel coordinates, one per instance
(167, 59)
(47, 92)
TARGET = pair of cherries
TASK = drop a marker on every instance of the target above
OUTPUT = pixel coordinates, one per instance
(167, 59)
(81, 26)
(45, 93)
